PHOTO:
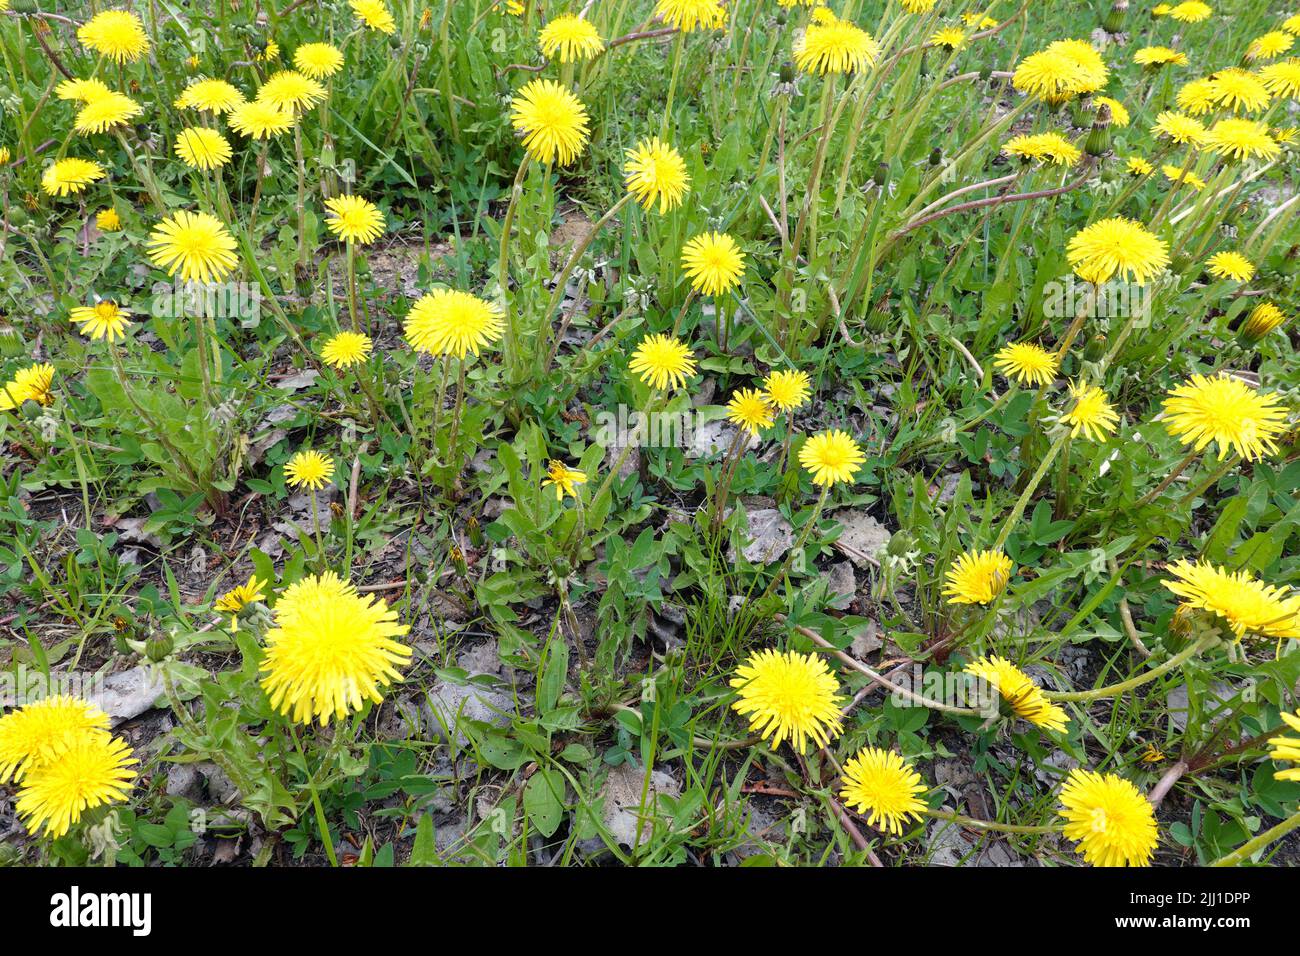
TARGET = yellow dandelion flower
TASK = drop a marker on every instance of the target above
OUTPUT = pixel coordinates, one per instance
(1117, 246)
(195, 243)
(318, 60)
(1282, 79)
(1242, 139)
(552, 120)
(1177, 174)
(269, 53)
(918, 6)
(1228, 412)
(81, 91)
(1244, 603)
(354, 219)
(713, 262)
(691, 15)
(884, 787)
(1026, 363)
(835, 47)
(66, 177)
(1157, 56)
(35, 734)
(1286, 749)
(1292, 25)
(290, 91)
(35, 383)
(330, 650)
(1019, 692)
(832, 457)
(1191, 11)
(103, 320)
(1230, 265)
(374, 14)
(1045, 147)
(93, 771)
(750, 410)
(1269, 46)
(240, 597)
(261, 120)
(950, 38)
(1197, 97)
(1239, 90)
(1119, 114)
(116, 34)
(1112, 821)
(788, 696)
(345, 349)
(662, 361)
(656, 173)
(105, 113)
(202, 148)
(1092, 415)
(450, 322)
(1263, 319)
(977, 577)
(570, 39)
(1137, 166)
(1093, 75)
(980, 20)
(787, 390)
(210, 96)
(107, 220)
(564, 479)
(309, 469)
(1180, 128)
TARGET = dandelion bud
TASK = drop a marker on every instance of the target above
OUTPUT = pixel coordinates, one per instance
(158, 647)
(23, 6)
(900, 543)
(936, 156)
(1114, 21)
(1263, 319)
(395, 41)
(31, 410)
(475, 531)
(1179, 262)
(458, 561)
(1095, 350)
(881, 176)
(787, 72)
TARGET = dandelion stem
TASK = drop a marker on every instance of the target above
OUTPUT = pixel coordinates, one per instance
(1248, 849)
(1123, 687)
(974, 824)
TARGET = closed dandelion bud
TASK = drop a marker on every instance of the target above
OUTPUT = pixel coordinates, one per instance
(395, 41)
(475, 531)
(31, 410)
(1098, 142)
(1262, 320)
(561, 568)
(1179, 262)
(458, 561)
(936, 156)
(23, 6)
(900, 544)
(787, 72)
(1114, 21)
(158, 647)
(1095, 349)
(11, 343)
(881, 176)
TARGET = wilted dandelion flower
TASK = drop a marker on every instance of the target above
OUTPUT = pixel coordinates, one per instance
(116, 34)
(105, 112)
(92, 771)
(1269, 46)
(210, 96)
(662, 361)
(451, 322)
(354, 219)
(318, 60)
(1117, 246)
(1230, 265)
(1119, 114)
(1263, 319)
(196, 244)
(570, 38)
(1156, 56)
(564, 479)
(1046, 147)
(330, 650)
(1239, 90)
(345, 349)
(35, 383)
(788, 696)
(691, 15)
(1286, 749)
(1091, 415)
(374, 14)
(81, 91)
(309, 469)
(750, 410)
(1137, 166)
(107, 220)
(240, 597)
(787, 390)
(882, 786)
(1228, 412)
(1282, 79)
(656, 173)
(36, 734)
(1178, 174)
(1026, 363)
(1180, 128)
(553, 121)
(950, 38)
(202, 148)
(1191, 11)
(261, 120)
(713, 262)
(1242, 139)
(1244, 603)
(66, 177)
(103, 320)
(836, 46)
(1197, 97)
(977, 577)
(832, 457)
(1021, 694)
(290, 91)
(1112, 822)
